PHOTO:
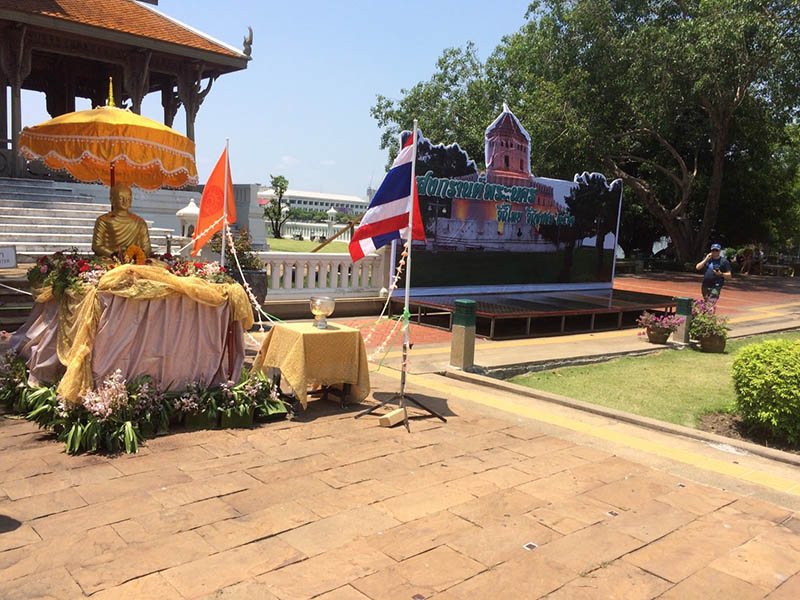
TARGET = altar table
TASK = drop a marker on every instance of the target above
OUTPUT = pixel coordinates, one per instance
(142, 320)
(307, 355)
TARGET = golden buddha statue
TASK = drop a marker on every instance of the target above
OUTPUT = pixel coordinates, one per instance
(118, 229)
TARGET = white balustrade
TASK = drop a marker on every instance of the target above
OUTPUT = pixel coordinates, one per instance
(315, 230)
(303, 274)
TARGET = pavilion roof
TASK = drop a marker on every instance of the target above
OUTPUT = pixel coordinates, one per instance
(121, 16)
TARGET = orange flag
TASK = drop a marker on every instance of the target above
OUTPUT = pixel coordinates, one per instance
(211, 204)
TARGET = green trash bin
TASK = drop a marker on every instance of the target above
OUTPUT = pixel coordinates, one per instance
(683, 306)
(464, 314)
(462, 339)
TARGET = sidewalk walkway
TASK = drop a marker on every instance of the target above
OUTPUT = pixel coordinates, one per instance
(511, 498)
(756, 305)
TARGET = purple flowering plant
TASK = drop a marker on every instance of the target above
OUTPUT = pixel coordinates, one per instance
(667, 322)
(117, 414)
(705, 321)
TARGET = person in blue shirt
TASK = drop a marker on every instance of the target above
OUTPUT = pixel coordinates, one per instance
(716, 270)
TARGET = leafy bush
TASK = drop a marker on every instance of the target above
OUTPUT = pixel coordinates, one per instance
(766, 377)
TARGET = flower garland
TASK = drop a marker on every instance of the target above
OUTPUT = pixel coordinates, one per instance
(134, 255)
(249, 290)
(402, 320)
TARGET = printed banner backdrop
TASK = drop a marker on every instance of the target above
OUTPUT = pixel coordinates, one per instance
(505, 229)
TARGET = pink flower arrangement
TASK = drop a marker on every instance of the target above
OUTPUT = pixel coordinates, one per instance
(668, 322)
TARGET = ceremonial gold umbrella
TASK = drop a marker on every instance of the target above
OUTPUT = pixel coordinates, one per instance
(112, 145)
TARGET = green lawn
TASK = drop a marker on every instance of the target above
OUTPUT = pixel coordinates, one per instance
(678, 386)
(290, 245)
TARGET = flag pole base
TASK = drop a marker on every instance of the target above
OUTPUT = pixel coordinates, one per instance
(398, 400)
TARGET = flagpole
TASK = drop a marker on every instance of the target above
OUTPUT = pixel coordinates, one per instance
(225, 207)
(406, 312)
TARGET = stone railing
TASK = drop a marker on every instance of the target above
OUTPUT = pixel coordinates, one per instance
(314, 230)
(303, 274)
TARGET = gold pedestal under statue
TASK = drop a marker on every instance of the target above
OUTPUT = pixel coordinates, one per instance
(115, 231)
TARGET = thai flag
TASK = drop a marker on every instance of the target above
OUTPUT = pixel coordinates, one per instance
(386, 218)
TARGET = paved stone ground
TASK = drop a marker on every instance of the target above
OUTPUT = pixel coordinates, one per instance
(740, 294)
(331, 507)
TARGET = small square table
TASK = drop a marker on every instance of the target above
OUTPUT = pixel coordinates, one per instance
(307, 355)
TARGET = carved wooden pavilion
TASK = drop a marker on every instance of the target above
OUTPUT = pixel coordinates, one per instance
(69, 48)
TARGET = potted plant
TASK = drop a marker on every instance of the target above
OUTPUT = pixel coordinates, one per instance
(252, 267)
(197, 407)
(264, 394)
(659, 327)
(708, 328)
(236, 406)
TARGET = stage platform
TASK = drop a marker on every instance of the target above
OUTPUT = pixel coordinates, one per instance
(531, 314)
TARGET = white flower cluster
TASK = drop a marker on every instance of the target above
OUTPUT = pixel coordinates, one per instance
(92, 276)
(212, 269)
(108, 398)
(191, 400)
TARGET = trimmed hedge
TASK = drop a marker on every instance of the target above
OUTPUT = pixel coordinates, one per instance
(766, 377)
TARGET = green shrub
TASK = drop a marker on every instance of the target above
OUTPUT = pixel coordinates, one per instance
(766, 377)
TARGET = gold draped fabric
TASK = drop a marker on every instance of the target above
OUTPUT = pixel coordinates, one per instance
(307, 355)
(79, 313)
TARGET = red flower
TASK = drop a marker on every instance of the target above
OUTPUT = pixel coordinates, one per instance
(84, 268)
(198, 265)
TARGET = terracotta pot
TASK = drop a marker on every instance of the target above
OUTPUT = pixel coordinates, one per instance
(712, 343)
(658, 335)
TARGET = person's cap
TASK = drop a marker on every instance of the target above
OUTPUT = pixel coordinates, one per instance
(716, 247)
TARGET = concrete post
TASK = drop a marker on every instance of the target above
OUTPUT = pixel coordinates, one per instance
(462, 344)
(683, 309)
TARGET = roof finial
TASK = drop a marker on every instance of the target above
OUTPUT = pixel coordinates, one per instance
(110, 101)
(505, 107)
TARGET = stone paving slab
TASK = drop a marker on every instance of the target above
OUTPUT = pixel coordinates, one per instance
(488, 505)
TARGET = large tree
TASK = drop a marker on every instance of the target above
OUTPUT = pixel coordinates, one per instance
(667, 96)
(654, 89)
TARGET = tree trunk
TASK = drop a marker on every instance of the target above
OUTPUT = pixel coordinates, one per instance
(676, 225)
(718, 146)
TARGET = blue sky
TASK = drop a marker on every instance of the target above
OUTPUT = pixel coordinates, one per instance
(301, 109)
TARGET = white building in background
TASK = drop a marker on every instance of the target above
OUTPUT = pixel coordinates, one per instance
(343, 203)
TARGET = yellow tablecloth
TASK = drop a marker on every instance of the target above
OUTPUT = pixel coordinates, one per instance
(308, 356)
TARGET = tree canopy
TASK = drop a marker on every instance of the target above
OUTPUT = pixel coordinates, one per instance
(278, 211)
(692, 104)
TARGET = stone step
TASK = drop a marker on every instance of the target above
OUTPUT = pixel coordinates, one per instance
(37, 189)
(35, 213)
(39, 248)
(9, 203)
(15, 310)
(12, 323)
(8, 230)
(26, 237)
(32, 183)
(37, 196)
(16, 221)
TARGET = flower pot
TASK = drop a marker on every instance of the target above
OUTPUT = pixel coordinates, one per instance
(658, 335)
(256, 278)
(201, 420)
(237, 421)
(712, 343)
(147, 430)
